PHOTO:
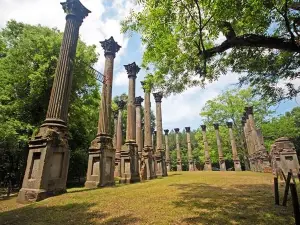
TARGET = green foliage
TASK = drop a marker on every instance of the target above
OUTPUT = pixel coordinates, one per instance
(287, 125)
(192, 42)
(26, 77)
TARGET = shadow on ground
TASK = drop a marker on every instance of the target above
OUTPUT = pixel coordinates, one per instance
(240, 204)
(70, 214)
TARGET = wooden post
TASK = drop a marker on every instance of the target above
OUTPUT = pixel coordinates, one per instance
(287, 186)
(295, 203)
(276, 191)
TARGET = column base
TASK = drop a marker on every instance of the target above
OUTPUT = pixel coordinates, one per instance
(47, 165)
(222, 165)
(237, 165)
(117, 172)
(179, 165)
(207, 166)
(129, 164)
(191, 165)
(101, 164)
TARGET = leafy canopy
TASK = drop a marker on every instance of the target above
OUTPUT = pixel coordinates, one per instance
(192, 42)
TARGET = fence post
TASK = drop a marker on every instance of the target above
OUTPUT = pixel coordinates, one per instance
(295, 203)
(287, 186)
(276, 191)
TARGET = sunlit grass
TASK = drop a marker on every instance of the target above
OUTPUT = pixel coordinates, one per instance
(182, 198)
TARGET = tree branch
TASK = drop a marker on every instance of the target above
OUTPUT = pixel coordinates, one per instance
(253, 40)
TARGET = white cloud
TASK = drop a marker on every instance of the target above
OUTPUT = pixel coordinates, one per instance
(121, 79)
(50, 13)
(183, 109)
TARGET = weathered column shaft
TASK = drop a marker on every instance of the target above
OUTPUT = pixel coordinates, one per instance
(119, 133)
(207, 165)
(220, 150)
(147, 121)
(179, 160)
(236, 160)
(167, 150)
(108, 73)
(161, 163)
(139, 140)
(115, 128)
(61, 90)
(147, 160)
(189, 146)
(130, 131)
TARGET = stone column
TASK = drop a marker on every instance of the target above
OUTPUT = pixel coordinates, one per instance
(48, 157)
(154, 164)
(139, 134)
(168, 163)
(236, 160)
(160, 151)
(220, 150)
(262, 157)
(251, 144)
(179, 161)
(207, 165)
(189, 146)
(121, 106)
(115, 113)
(129, 157)
(101, 163)
(147, 160)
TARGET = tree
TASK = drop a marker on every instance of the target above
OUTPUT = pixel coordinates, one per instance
(190, 42)
(287, 125)
(229, 106)
(27, 68)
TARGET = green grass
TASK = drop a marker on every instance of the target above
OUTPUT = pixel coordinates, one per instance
(182, 198)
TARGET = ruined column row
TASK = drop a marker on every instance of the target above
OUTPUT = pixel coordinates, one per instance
(207, 163)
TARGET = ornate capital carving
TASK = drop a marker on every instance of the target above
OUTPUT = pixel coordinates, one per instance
(246, 115)
(176, 130)
(138, 101)
(203, 127)
(110, 46)
(121, 104)
(158, 96)
(132, 70)
(166, 132)
(75, 8)
(229, 124)
(188, 129)
(216, 126)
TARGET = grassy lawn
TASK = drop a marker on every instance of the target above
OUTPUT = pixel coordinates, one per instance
(182, 198)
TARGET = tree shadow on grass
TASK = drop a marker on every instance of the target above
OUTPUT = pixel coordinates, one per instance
(239, 204)
(70, 214)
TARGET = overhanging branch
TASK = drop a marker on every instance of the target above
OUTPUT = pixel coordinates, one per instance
(252, 40)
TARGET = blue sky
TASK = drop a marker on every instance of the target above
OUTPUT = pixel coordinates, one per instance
(178, 111)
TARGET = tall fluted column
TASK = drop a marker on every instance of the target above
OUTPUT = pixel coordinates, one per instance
(154, 158)
(139, 135)
(179, 161)
(207, 165)
(189, 146)
(129, 157)
(160, 151)
(48, 157)
(121, 105)
(167, 150)
(101, 164)
(147, 160)
(236, 160)
(261, 154)
(115, 113)
(220, 150)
